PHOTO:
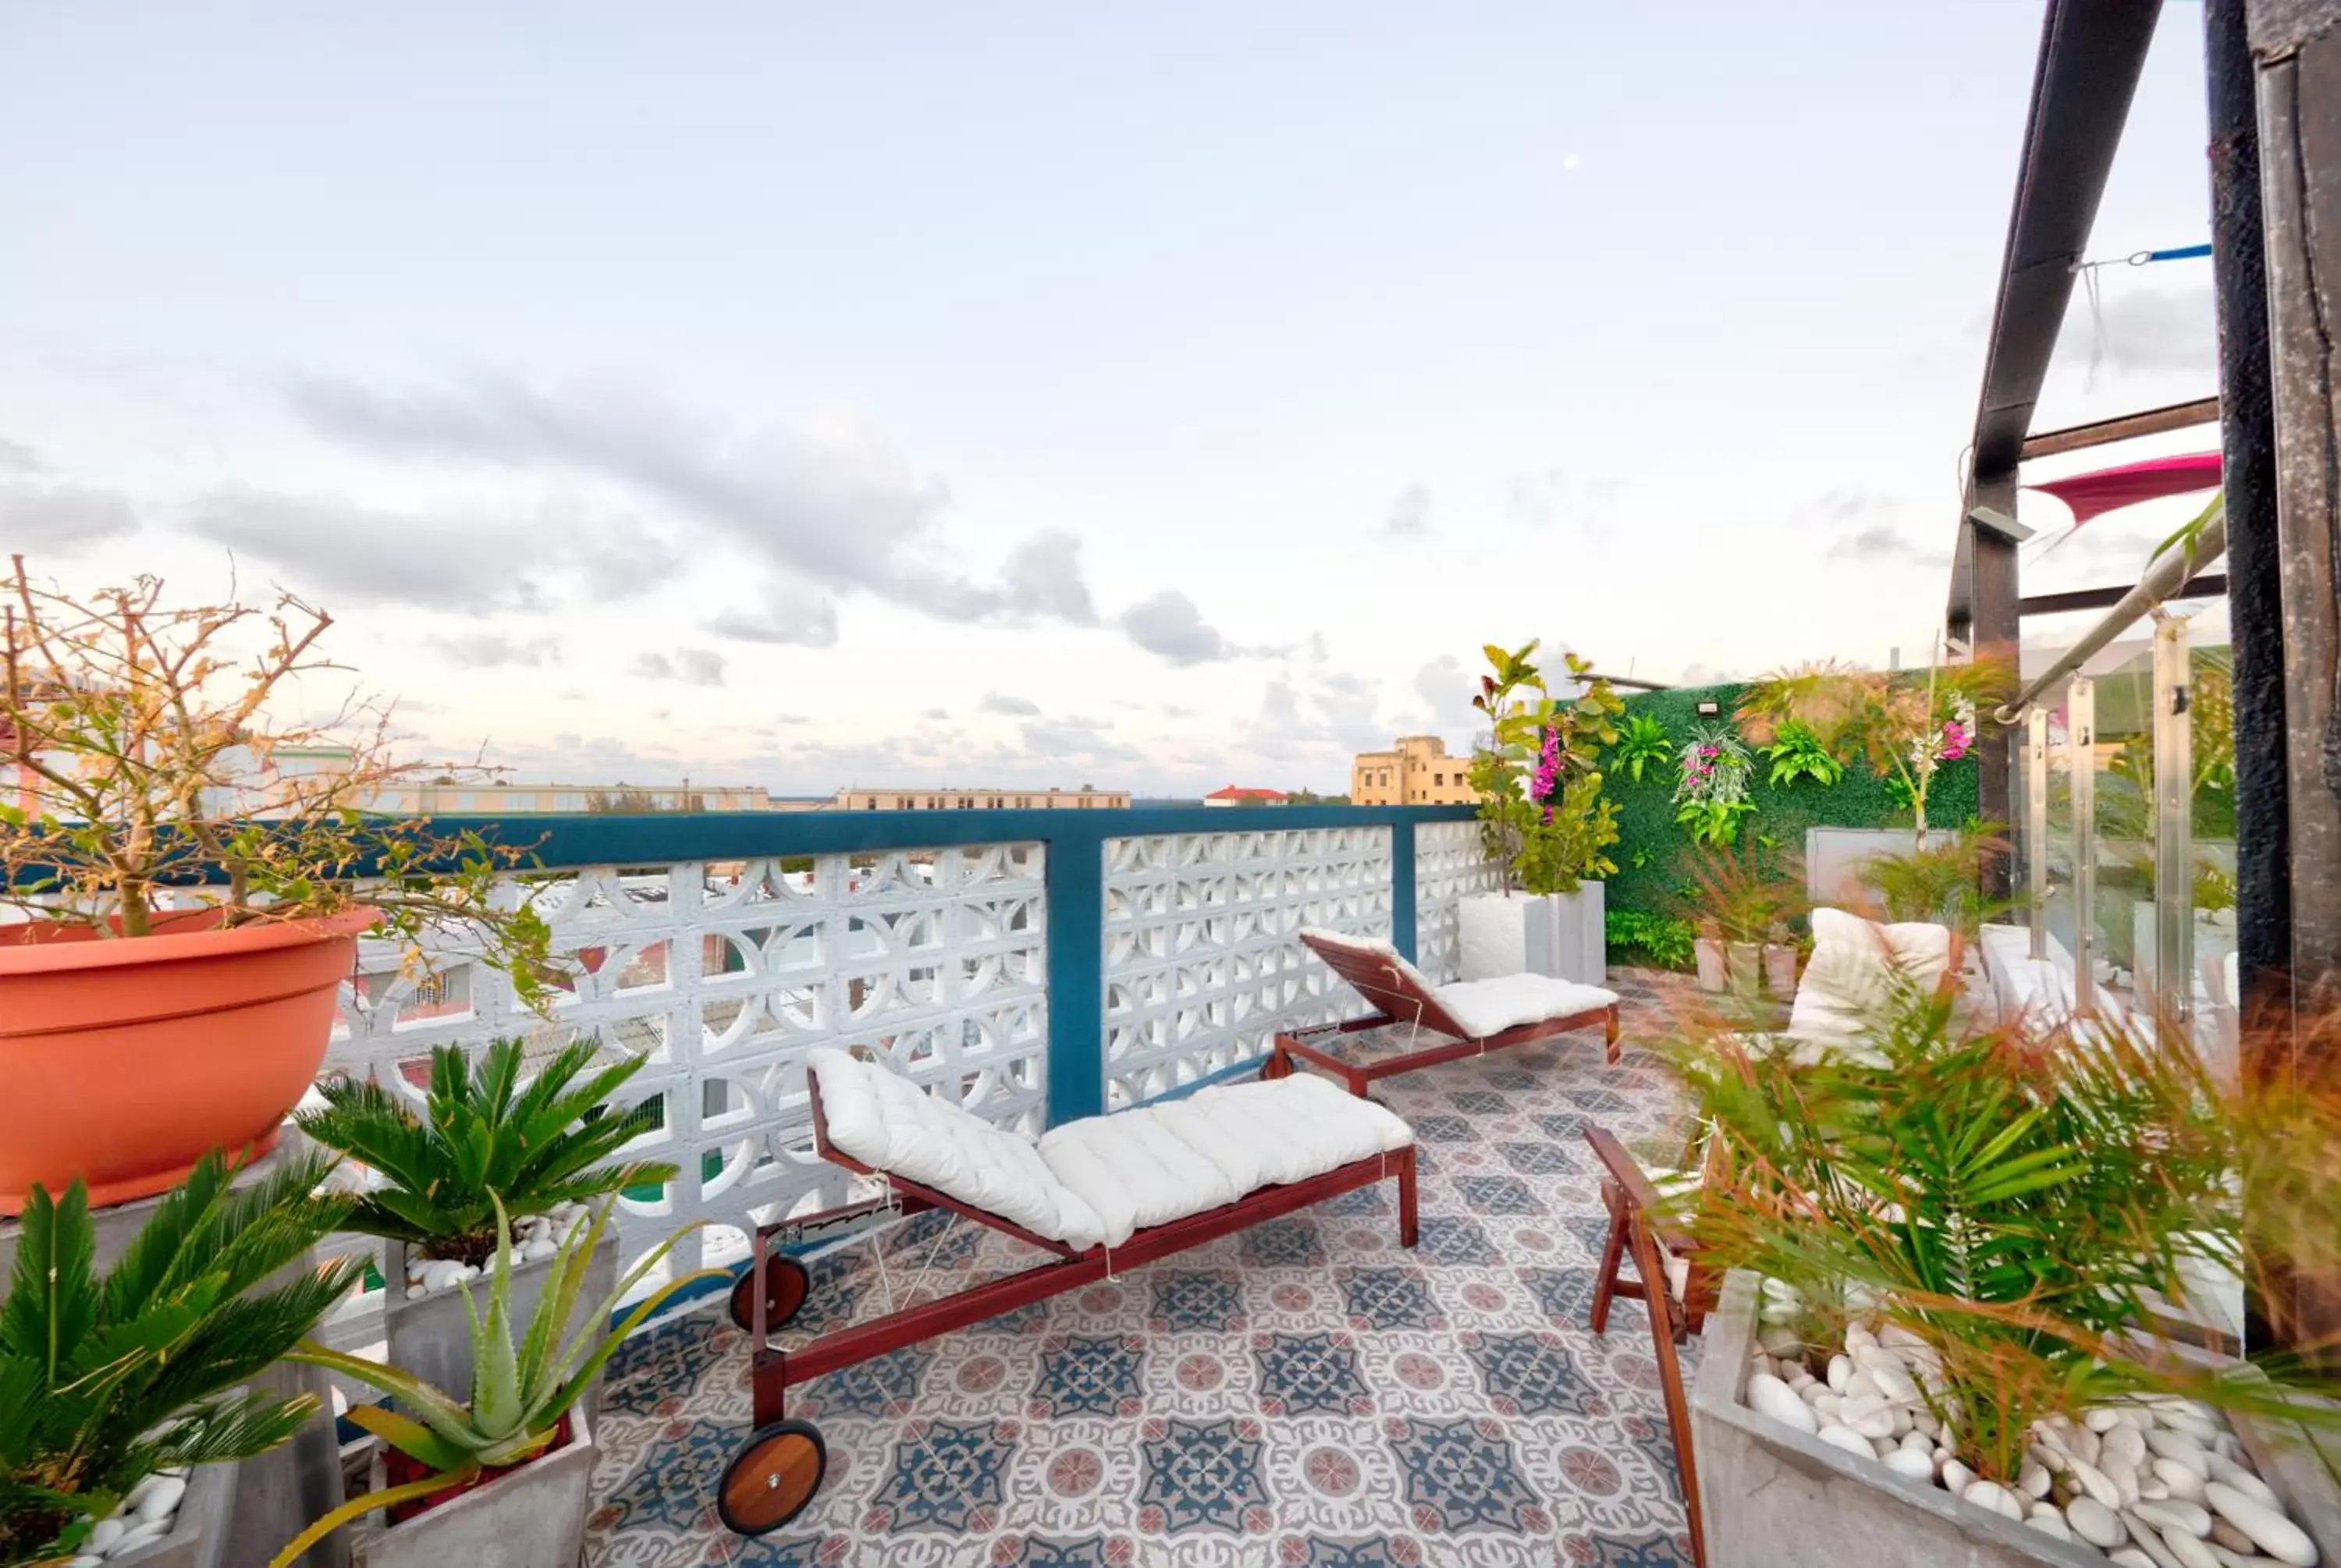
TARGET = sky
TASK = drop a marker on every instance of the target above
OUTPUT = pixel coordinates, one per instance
(1158, 397)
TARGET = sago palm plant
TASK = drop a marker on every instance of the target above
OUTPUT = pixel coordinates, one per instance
(106, 1380)
(520, 1391)
(483, 1139)
(2028, 1201)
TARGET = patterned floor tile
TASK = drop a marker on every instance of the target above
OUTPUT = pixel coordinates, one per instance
(1301, 1394)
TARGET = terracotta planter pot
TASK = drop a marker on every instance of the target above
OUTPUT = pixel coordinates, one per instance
(124, 1062)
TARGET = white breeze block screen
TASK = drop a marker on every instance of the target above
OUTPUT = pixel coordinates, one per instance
(1203, 962)
(1449, 866)
(724, 975)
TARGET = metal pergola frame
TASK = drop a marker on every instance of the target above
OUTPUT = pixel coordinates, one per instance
(2272, 70)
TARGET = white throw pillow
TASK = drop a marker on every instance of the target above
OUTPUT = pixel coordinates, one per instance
(1853, 968)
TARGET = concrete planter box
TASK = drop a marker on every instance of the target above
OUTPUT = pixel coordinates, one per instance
(198, 1536)
(1708, 951)
(1774, 1497)
(431, 1337)
(1744, 963)
(1560, 933)
(531, 1517)
(1780, 970)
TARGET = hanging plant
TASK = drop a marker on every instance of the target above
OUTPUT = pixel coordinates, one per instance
(1799, 754)
(1711, 793)
(1641, 742)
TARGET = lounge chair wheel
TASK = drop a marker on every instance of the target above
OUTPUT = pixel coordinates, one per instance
(786, 1287)
(771, 1481)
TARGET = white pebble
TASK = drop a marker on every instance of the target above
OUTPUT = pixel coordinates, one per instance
(1924, 1421)
(2181, 1450)
(2149, 1541)
(2229, 1473)
(133, 1540)
(1826, 1405)
(1884, 1446)
(536, 1251)
(2095, 1522)
(1767, 1396)
(2225, 1534)
(2131, 1557)
(85, 1561)
(2049, 1522)
(2230, 1558)
(1919, 1442)
(2124, 1445)
(1862, 1385)
(2101, 1420)
(1991, 1495)
(2190, 1552)
(1812, 1391)
(1914, 1463)
(1840, 1369)
(2275, 1534)
(161, 1497)
(2092, 1481)
(2032, 1479)
(1957, 1477)
(104, 1533)
(2191, 1517)
(1850, 1441)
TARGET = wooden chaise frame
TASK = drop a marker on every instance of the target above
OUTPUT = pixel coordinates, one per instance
(1401, 998)
(774, 1476)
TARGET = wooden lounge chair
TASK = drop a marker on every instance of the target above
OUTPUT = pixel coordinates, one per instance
(1475, 1015)
(1670, 1281)
(1101, 1195)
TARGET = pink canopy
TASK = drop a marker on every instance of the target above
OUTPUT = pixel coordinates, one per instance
(2109, 489)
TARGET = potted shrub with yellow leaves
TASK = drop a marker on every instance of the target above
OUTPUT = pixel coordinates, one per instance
(503, 1479)
(184, 872)
(1543, 822)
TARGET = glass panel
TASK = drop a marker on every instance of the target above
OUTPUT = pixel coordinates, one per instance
(2123, 913)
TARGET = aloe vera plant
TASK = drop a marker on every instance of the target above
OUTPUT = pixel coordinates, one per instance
(520, 1390)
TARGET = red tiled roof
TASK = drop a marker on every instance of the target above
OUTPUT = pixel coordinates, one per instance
(1233, 793)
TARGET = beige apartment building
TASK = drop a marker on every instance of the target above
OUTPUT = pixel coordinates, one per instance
(854, 799)
(1419, 772)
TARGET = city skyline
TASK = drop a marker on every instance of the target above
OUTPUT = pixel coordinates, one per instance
(804, 401)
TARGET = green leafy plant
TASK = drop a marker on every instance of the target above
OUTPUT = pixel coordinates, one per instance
(1941, 883)
(1542, 814)
(520, 1389)
(2015, 1198)
(1663, 939)
(1903, 725)
(147, 760)
(1641, 742)
(2213, 888)
(483, 1143)
(1711, 787)
(106, 1380)
(1798, 753)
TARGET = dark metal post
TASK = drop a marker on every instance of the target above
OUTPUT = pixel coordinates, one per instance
(1994, 626)
(2296, 50)
(2283, 553)
(2247, 446)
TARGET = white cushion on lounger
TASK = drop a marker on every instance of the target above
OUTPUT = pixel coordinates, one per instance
(1852, 972)
(1160, 1163)
(1099, 1178)
(1487, 1007)
(889, 1124)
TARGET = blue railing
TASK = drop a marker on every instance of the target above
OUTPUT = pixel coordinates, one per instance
(1073, 843)
(1035, 967)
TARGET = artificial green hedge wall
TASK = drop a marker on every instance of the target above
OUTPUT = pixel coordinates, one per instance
(1650, 847)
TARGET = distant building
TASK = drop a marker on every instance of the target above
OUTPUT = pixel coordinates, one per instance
(1418, 772)
(1083, 799)
(459, 798)
(1233, 795)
